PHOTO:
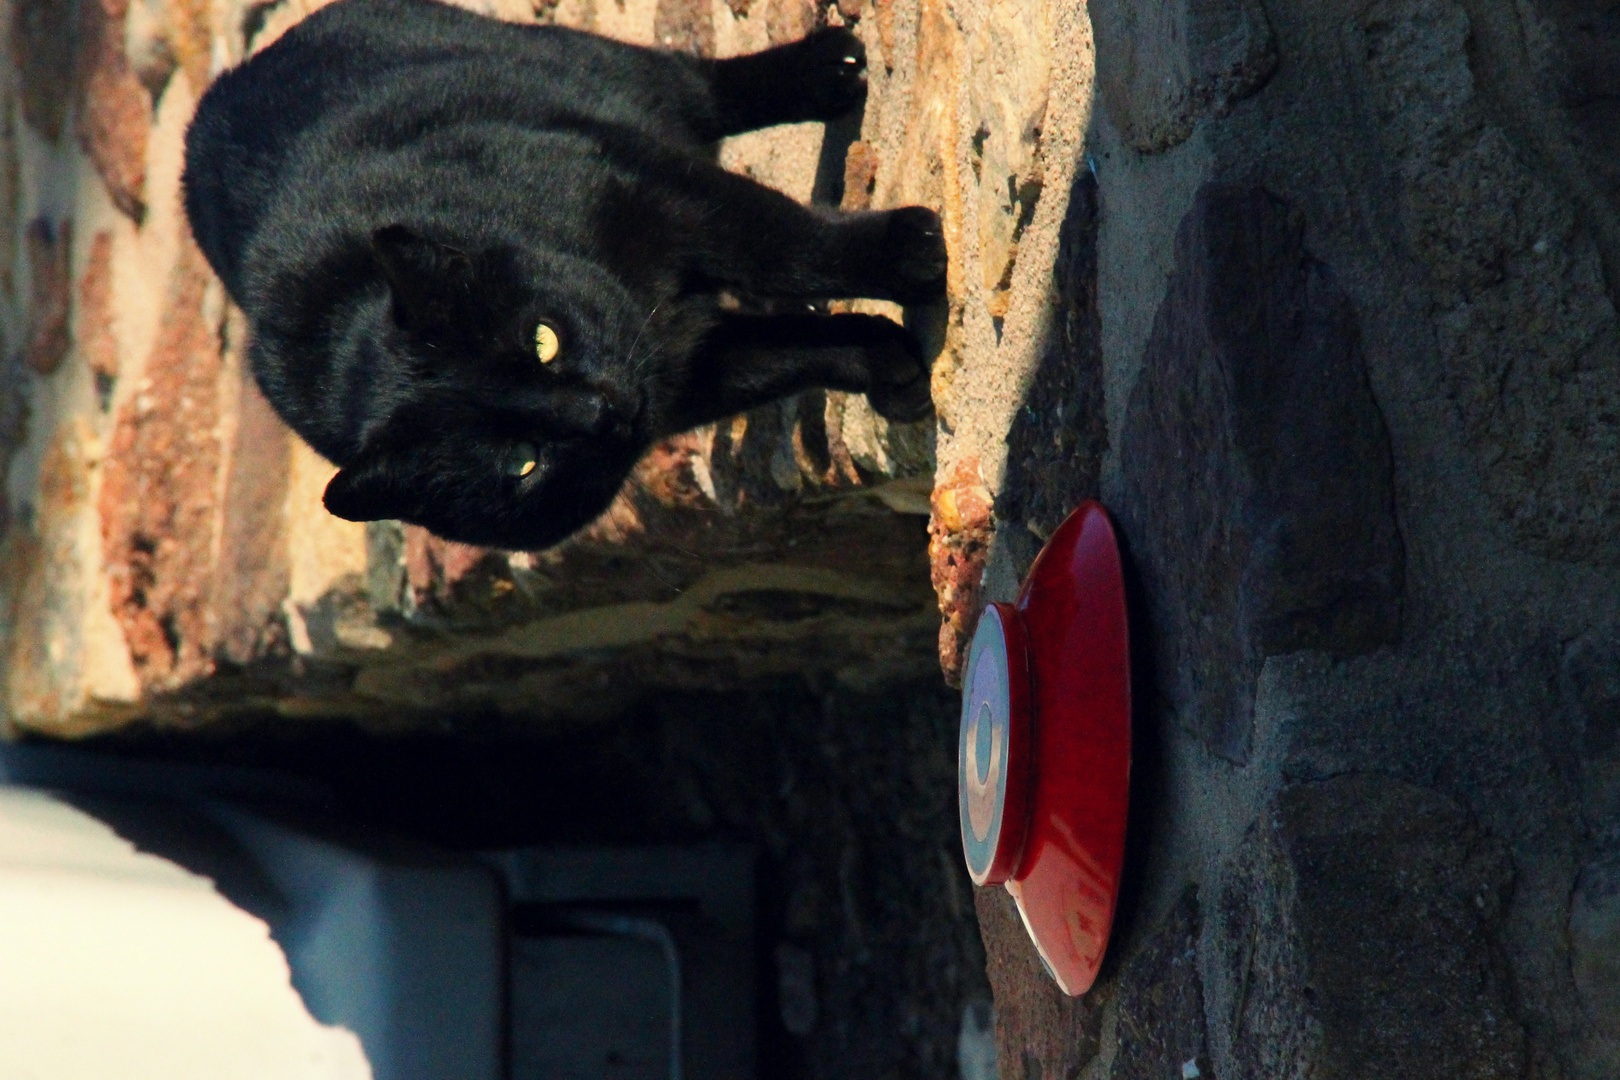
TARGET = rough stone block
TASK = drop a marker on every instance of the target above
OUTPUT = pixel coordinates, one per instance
(860, 176)
(959, 533)
(1161, 1028)
(1591, 687)
(157, 503)
(1527, 332)
(1358, 926)
(1257, 476)
(94, 333)
(113, 118)
(254, 573)
(684, 25)
(1582, 61)
(1164, 65)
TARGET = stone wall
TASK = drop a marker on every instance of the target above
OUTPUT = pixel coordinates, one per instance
(1319, 296)
(1340, 350)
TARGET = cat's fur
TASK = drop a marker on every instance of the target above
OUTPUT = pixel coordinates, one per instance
(397, 192)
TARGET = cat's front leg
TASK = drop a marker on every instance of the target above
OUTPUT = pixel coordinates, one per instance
(820, 77)
(748, 361)
(905, 247)
(764, 243)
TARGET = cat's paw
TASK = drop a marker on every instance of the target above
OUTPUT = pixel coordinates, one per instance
(901, 383)
(915, 242)
(833, 77)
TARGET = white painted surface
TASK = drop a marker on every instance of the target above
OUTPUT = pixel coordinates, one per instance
(120, 965)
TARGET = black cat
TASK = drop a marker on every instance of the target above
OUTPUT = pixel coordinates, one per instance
(483, 263)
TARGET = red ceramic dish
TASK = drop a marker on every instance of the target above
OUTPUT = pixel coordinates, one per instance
(1044, 752)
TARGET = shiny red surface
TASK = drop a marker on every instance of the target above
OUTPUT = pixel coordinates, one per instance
(1073, 609)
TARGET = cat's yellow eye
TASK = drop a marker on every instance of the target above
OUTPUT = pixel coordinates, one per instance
(546, 343)
(521, 460)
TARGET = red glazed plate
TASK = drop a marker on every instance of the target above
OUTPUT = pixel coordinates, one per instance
(1044, 751)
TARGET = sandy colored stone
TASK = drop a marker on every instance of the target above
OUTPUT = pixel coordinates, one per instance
(684, 25)
(190, 34)
(958, 542)
(787, 20)
(46, 661)
(860, 176)
(253, 577)
(157, 502)
(96, 337)
(781, 157)
(64, 652)
(113, 114)
(325, 554)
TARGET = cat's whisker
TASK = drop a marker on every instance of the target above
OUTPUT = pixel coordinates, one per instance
(631, 356)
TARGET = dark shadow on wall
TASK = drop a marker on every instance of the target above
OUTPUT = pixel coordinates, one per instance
(1059, 435)
(1150, 783)
(836, 139)
(1257, 481)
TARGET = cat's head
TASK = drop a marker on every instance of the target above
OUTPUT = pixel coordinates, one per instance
(521, 413)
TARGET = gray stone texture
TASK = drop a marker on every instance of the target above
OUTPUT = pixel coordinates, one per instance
(1161, 1028)
(1163, 67)
(1262, 520)
(1526, 329)
(1590, 679)
(1594, 936)
(1356, 939)
(1040, 1032)
(1357, 341)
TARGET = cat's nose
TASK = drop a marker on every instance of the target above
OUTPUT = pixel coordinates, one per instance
(590, 413)
(584, 412)
(612, 413)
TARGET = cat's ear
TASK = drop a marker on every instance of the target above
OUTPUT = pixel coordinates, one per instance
(364, 491)
(428, 279)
